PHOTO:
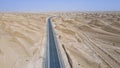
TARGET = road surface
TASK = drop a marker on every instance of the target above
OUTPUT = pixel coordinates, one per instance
(53, 57)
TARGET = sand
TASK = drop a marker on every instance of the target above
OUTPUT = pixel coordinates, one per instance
(22, 38)
(86, 39)
(91, 39)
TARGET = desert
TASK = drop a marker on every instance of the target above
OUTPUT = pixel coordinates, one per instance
(21, 39)
(91, 39)
(86, 39)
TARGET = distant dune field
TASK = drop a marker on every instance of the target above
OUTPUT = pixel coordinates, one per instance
(87, 39)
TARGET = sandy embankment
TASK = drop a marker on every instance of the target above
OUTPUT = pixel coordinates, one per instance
(91, 40)
(22, 37)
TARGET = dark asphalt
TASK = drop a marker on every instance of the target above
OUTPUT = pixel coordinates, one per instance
(54, 61)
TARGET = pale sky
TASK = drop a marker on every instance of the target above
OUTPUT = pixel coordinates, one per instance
(59, 5)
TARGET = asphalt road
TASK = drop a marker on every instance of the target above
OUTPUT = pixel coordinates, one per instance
(53, 54)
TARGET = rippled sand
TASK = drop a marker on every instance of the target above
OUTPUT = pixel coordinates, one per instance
(87, 40)
(22, 38)
(91, 40)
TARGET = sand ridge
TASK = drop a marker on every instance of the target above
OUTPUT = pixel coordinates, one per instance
(91, 39)
(21, 39)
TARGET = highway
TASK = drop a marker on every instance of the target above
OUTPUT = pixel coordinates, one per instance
(53, 57)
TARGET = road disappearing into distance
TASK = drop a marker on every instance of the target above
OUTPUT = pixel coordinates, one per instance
(53, 55)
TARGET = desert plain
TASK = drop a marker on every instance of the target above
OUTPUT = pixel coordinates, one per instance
(86, 39)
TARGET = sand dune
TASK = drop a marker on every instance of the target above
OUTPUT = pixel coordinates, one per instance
(87, 39)
(91, 39)
(21, 39)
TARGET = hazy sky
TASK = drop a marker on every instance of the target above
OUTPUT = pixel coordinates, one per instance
(59, 5)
